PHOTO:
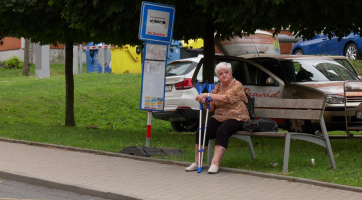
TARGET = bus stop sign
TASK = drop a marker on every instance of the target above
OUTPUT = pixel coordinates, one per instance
(156, 22)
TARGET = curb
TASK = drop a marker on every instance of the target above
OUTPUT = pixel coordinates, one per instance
(109, 195)
(67, 187)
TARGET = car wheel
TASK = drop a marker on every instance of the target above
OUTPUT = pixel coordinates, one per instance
(300, 126)
(185, 126)
(351, 52)
(299, 52)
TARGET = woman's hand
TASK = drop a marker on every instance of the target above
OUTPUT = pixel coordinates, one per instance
(201, 98)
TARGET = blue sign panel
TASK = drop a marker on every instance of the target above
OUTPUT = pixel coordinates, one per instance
(156, 23)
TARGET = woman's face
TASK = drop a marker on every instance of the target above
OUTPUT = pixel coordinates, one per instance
(224, 75)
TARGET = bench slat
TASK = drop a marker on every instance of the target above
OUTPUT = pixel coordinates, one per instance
(289, 103)
(288, 114)
(269, 134)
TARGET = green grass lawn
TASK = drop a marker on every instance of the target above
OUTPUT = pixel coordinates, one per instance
(357, 64)
(33, 109)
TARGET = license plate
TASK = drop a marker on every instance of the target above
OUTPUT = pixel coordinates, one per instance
(359, 115)
(168, 88)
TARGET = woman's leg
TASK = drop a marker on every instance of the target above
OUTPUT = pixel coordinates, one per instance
(223, 134)
(213, 125)
(197, 153)
(218, 154)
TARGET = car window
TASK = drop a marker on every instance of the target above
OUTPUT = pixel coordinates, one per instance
(179, 68)
(239, 74)
(199, 74)
(316, 70)
(244, 72)
(257, 76)
(346, 64)
(248, 74)
(271, 65)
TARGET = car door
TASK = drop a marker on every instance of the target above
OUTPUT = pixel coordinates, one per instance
(257, 81)
(332, 46)
(318, 45)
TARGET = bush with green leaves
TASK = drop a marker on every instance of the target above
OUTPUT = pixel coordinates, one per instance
(14, 62)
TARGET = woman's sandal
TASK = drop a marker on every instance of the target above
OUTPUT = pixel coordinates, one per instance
(192, 167)
(213, 169)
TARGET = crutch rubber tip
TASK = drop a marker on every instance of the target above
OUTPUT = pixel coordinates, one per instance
(199, 170)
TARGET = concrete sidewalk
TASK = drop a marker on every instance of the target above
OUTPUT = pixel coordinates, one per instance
(115, 177)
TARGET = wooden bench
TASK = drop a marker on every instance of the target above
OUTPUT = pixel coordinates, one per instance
(304, 109)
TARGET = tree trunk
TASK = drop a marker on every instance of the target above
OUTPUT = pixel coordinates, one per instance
(209, 57)
(209, 52)
(69, 84)
(26, 68)
(2, 35)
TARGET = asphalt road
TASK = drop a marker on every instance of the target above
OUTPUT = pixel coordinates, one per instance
(13, 190)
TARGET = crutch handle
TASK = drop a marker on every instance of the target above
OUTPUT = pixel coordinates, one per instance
(208, 101)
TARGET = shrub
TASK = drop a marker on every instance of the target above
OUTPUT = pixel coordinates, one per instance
(13, 62)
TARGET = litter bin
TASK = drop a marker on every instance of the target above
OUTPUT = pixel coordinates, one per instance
(174, 51)
(95, 57)
(126, 59)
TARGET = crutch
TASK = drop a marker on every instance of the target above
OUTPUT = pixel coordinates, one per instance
(200, 89)
(209, 87)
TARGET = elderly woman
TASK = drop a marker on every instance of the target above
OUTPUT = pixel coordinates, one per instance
(230, 113)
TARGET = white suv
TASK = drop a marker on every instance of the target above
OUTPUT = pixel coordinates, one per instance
(181, 109)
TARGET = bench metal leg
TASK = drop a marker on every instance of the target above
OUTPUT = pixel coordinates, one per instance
(324, 142)
(209, 154)
(286, 153)
(328, 144)
(247, 139)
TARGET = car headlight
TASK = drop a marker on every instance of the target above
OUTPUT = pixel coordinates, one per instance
(334, 99)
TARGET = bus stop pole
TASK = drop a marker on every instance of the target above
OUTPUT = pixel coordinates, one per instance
(148, 135)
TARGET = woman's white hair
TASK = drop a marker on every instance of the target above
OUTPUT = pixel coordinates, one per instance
(223, 65)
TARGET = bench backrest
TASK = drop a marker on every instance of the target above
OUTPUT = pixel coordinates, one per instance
(306, 109)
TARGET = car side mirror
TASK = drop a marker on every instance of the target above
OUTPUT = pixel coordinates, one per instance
(270, 81)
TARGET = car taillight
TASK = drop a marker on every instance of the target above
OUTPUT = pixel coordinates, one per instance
(185, 84)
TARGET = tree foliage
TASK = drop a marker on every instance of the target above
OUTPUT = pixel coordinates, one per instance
(304, 18)
(117, 22)
(230, 17)
(38, 20)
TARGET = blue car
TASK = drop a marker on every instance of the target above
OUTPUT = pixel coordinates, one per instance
(320, 45)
